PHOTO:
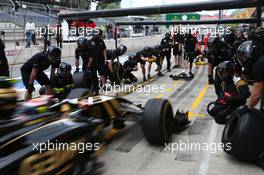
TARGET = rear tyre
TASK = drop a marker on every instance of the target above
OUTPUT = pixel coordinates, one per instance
(158, 122)
(118, 72)
(82, 80)
(244, 134)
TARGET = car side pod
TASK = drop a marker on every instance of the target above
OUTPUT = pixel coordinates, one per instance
(244, 135)
(158, 121)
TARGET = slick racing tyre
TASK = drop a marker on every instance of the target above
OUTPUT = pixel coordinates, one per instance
(244, 134)
(223, 115)
(118, 72)
(158, 122)
(78, 93)
(82, 80)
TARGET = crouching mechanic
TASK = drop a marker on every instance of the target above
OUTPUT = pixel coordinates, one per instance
(111, 55)
(62, 81)
(157, 53)
(251, 57)
(129, 66)
(142, 57)
(83, 50)
(234, 92)
(34, 69)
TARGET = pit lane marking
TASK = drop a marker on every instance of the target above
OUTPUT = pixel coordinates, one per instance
(160, 96)
(203, 169)
(168, 90)
(201, 95)
(192, 115)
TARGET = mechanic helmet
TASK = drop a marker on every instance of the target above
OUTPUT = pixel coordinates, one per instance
(82, 42)
(226, 71)
(167, 35)
(54, 52)
(158, 48)
(121, 50)
(65, 69)
(147, 51)
(8, 98)
(229, 38)
(98, 33)
(132, 57)
(213, 42)
(244, 54)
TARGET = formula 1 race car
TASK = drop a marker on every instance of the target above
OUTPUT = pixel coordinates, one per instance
(45, 136)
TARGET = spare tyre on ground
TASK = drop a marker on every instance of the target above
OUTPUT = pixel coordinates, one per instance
(244, 135)
(158, 121)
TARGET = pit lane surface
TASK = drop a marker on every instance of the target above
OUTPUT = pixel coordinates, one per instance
(130, 154)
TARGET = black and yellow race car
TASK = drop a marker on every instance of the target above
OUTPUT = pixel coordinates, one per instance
(46, 136)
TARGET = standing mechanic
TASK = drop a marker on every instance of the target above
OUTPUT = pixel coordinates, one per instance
(83, 50)
(4, 69)
(166, 44)
(34, 69)
(99, 58)
(189, 49)
(177, 49)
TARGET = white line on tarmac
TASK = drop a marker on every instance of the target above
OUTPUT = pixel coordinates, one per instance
(203, 169)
